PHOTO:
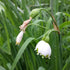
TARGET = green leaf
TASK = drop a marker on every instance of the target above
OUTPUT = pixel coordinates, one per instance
(2, 68)
(67, 65)
(67, 23)
(20, 52)
(67, 14)
(7, 34)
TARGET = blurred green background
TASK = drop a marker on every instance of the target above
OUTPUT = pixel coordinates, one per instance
(23, 57)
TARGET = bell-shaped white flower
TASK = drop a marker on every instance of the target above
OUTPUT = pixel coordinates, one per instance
(19, 37)
(43, 49)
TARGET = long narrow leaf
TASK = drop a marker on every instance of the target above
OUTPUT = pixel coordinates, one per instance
(20, 52)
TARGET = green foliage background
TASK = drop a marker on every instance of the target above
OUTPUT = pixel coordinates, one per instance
(23, 57)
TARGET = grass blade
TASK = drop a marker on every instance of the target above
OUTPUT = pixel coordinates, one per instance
(20, 52)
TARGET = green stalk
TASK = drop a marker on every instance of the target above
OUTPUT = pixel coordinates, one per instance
(51, 16)
(55, 41)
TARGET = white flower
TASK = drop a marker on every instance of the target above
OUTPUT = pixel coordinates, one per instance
(43, 49)
(19, 37)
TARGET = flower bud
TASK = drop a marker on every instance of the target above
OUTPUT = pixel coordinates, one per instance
(35, 12)
(46, 36)
(43, 49)
(19, 37)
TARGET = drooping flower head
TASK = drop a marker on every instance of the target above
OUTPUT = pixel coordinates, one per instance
(43, 49)
(35, 12)
(22, 28)
(19, 37)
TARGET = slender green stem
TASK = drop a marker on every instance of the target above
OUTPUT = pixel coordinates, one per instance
(49, 14)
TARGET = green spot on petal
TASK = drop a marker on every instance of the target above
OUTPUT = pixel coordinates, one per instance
(42, 56)
(46, 56)
(37, 50)
(37, 53)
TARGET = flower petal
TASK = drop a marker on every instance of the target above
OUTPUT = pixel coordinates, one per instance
(19, 37)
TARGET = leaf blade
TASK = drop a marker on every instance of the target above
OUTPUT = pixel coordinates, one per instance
(20, 52)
